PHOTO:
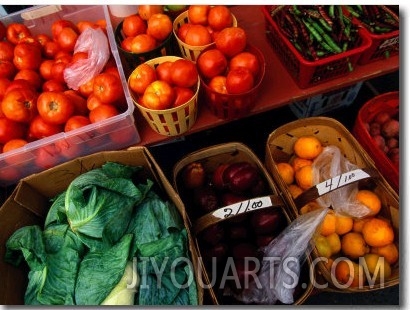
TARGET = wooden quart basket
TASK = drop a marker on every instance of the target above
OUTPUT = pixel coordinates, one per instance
(211, 158)
(279, 148)
(174, 121)
(191, 52)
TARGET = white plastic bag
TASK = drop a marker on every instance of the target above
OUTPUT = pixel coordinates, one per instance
(95, 43)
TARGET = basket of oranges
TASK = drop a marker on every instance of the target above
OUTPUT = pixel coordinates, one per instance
(165, 90)
(195, 29)
(355, 253)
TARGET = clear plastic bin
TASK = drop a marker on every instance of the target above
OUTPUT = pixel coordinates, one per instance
(113, 133)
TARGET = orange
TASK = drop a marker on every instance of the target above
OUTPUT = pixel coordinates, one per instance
(378, 232)
(358, 224)
(348, 273)
(328, 224)
(334, 243)
(298, 163)
(370, 200)
(304, 177)
(376, 265)
(390, 252)
(307, 147)
(344, 224)
(286, 172)
(295, 190)
(354, 245)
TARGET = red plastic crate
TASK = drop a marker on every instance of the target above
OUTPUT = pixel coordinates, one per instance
(383, 46)
(309, 73)
(388, 102)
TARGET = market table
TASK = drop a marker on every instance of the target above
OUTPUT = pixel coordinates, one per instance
(278, 88)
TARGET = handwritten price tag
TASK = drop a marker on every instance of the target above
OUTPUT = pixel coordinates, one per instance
(243, 207)
(341, 180)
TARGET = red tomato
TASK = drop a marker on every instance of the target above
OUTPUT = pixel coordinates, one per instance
(218, 84)
(246, 60)
(107, 87)
(80, 103)
(184, 73)
(68, 149)
(231, 41)
(6, 51)
(141, 77)
(42, 38)
(159, 95)
(20, 105)
(7, 69)
(67, 39)
(182, 31)
(211, 63)
(4, 83)
(48, 156)
(55, 107)
(77, 56)
(102, 112)
(32, 76)
(27, 56)
(146, 11)
(239, 80)
(18, 84)
(164, 71)
(86, 89)
(54, 85)
(3, 30)
(76, 121)
(57, 70)
(198, 14)
(219, 17)
(93, 102)
(50, 49)
(182, 95)
(159, 26)
(39, 128)
(45, 68)
(133, 25)
(198, 35)
(31, 40)
(126, 44)
(58, 25)
(11, 130)
(143, 43)
(14, 144)
(84, 24)
(16, 31)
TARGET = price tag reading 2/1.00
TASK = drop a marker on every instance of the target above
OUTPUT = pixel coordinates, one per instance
(341, 180)
(243, 207)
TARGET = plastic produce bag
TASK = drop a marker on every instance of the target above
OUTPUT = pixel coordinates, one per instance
(331, 163)
(95, 43)
(282, 259)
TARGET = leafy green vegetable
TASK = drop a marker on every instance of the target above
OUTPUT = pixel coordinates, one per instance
(100, 272)
(94, 229)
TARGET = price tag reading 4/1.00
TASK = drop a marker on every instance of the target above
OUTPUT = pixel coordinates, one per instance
(243, 207)
(341, 180)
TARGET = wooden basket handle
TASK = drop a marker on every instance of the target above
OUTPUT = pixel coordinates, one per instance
(236, 209)
(334, 183)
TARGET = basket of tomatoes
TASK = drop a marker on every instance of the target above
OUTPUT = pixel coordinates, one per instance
(141, 37)
(196, 28)
(165, 90)
(231, 73)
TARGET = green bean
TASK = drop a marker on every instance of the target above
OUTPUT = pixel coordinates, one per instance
(313, 31)
(331, 11)
(326, 37)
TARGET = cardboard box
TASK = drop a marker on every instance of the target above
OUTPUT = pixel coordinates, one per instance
(29, 204)
(114, 133)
